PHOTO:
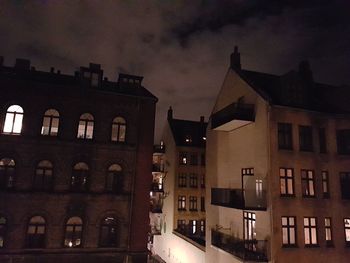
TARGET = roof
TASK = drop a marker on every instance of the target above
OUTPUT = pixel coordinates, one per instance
(188, 133)
(314, 96)
(58, 79)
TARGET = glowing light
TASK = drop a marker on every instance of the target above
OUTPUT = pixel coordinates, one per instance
(70, 244)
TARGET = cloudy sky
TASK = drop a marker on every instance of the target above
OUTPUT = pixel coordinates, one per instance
(181, 47)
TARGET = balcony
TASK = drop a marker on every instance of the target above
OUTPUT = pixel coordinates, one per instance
(196, 236)
(247, 250)
(159, 148)
(232, 117)
(159, 168)
(239, 199)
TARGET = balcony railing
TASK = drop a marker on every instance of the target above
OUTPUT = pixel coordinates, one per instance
(233, 116)
(238, 198)
(157, 168)
(187, 230)
(250, 250)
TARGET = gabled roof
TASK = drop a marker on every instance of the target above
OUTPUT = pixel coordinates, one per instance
(320, 97)
(188, 133)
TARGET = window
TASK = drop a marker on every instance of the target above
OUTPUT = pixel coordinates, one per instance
(322, 140)
(325, 184)
(73, 232)
(249, 226)
(79, 177)
(193, 180)
(343, 141)
(285, 136)
(193, 227)
(43, 176)
(202, 227)
(114, 182)
(202, 180)
(181, 225)
(203, 159)
(202, 204)
(7, 173)
(36, 232)
(259, 188)
(248, 171)
(347, 231)
(50, 123)
(289, 231)
(193, 159)
(308, 183)
(118, 130)
(183, 158)
(188, 139)
(193, 203)
(345, 185)
(2, 231)
(108, 236)
(86, 126)
(305, 138)
(181, 202)
(95, 79)
(310, 231)
(286, 181)
(182, 180)
(328, 231)
(13, 120)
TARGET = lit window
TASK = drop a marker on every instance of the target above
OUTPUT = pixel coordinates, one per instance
(79, 177)
(183, 158)
(347, 231)
(193, 226)
(286, 181)
(288, 231)
(73, 232)
(108, 236)
(258, 188)
(202, 227)
(325, 184)
(36, 232)
(7, 173)
(328, 231)
(13, 120)
(310, 231)
(118, 129)
(308, 183)
(43, 175)
(50, 123)
(2, 231)
(86, 126)
(181, 202)
(114, 182)
(248, 171)
(193, 203)
(249, 226)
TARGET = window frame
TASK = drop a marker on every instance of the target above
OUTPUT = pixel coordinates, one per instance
(290, 228)
(306, 138)
(31, 239)
(117, 126)
(322, 138)
(325, 184)
(85, 122)
(181, 203)
(193, 203)
(44, 177)
(345, 185)
(116, 178)
(182, 180)
(346, 229)
(8, 182)
(308, 183)
(193, 180)
(308, 231)
(285, 136)
(287, 180)
(51, 118)
(328, 232)
(109, 234)
(84, 173)
(74, 232)
(3, 231)
(16, 115)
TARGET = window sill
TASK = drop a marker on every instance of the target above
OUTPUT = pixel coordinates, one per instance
(290, 246)
(181, 209)
(287, 195)
(312, 246)
(309, 196)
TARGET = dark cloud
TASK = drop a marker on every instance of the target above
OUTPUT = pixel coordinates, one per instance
(181, 47)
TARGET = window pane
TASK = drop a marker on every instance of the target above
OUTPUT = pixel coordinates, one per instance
(81, 129)
(8, 122)
(122, 133)
(46, 124)
(17, 126)
(306, 236)
(54, 128)
(292, 236)
(89, 130)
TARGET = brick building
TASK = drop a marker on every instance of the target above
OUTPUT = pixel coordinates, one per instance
(75, 165)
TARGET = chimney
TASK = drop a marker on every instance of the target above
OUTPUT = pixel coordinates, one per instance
(58, 72)
(235, 62)
(170, 113)
(202, 119)
(52, 70)
(22, 64)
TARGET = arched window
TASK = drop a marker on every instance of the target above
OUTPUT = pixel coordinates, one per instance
(7, 173)
(114, 182)
(73, 232)
(108, 235)
(2, 231)
(13, 120)
(50, 123)
(36, 232)
(80, 177)
(118, 129)
(43, 175)
(86, 126)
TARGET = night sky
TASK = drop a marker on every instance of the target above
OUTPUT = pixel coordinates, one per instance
(182, 47)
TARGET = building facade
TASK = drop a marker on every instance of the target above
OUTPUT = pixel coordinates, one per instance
(278, 169)
(182, 237)
(75, 165)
